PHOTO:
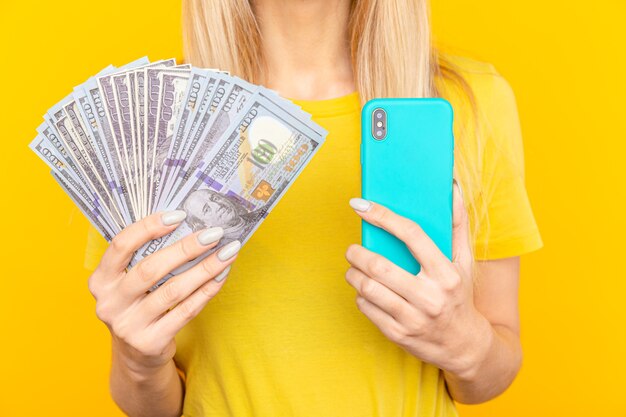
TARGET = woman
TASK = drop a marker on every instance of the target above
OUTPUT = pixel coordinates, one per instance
(284, 337)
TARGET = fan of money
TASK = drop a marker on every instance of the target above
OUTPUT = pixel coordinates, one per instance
(149, 137)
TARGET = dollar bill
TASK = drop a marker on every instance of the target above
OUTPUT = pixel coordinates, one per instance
(81, 151)
(152, 90)
(120, 145)
(46, 132)
(126, 120)
(87, 111)
(101, 91)
(136, 77)
(224, 107)
(173, 86)
(93, 106)
(212, 92)
(98, 159)
(197, 82)
(227, 99)
(243, 177)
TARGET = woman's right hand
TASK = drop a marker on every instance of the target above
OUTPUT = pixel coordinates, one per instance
(143, 324)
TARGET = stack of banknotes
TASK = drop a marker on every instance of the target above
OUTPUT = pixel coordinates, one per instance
(150, 137)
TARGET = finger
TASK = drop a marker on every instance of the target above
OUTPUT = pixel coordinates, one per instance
(151, 269)
(383, 270)
(172, 322)
(376, 293)
(419, 291)
(180, 287)
(125, 243)
(420, 245)
(385, 323)
(461, 250)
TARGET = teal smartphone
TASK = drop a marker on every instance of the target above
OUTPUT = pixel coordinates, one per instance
(407, 162)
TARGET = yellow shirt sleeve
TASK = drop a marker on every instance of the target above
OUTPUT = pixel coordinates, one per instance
(507, 227)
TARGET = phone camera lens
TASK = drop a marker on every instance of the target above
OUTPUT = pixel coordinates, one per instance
(379, 124)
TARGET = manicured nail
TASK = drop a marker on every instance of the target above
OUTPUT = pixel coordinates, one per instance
(222, 276)
(229, 250)
(210, 235)
(173, 217)
(460, 189)
(360, 204)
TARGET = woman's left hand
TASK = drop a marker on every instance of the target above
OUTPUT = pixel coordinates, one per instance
(431, 315)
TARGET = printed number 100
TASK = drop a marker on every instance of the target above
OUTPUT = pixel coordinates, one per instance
(263, 153)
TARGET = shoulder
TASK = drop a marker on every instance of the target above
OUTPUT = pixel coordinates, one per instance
(487, 86)
(469, 65)
(482, 98)
(485, 112)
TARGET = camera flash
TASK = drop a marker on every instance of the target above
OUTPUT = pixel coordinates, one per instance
(379, 124)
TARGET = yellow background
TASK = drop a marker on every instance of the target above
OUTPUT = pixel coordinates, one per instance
(565, 60)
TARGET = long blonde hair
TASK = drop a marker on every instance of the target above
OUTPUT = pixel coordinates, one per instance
(392, 56)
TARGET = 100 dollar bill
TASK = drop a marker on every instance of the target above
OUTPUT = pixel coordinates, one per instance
(240, 181)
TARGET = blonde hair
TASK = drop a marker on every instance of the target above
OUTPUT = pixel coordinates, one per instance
(392, 56)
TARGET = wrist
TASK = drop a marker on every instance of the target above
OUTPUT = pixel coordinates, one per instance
(144, 389)
(136, 367)
(473, 351)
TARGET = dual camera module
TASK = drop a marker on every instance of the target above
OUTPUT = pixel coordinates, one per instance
(379, 124)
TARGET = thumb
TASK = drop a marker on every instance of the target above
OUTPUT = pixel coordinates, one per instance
(461, 252)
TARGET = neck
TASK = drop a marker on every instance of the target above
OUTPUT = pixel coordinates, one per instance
(306, 47)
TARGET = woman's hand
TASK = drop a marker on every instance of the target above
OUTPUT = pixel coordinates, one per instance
(143, 324)
(431, 315)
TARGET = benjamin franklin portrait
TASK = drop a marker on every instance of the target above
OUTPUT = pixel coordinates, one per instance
(208, 208)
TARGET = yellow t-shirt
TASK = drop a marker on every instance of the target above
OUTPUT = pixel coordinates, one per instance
(284, 336)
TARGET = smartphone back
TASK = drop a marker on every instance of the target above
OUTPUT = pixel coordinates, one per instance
(409, 171)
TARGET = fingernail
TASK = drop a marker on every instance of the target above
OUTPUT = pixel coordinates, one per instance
(173, 217)
(460, 189)
(210, 235)
(229, 250)
(360, 204)
(222, 276)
